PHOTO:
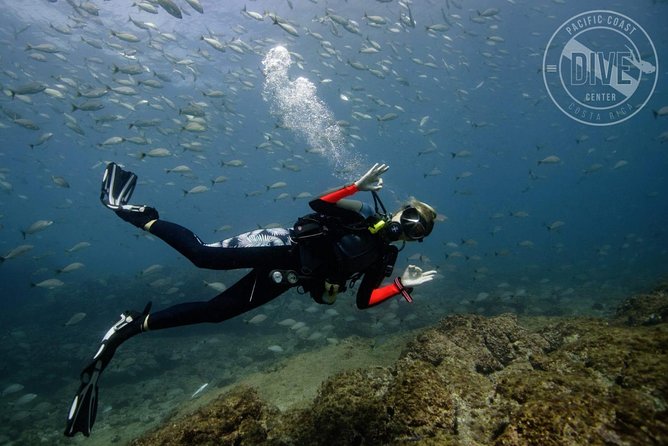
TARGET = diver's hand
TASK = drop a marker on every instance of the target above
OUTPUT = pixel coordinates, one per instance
(372, 180)
(414, 276)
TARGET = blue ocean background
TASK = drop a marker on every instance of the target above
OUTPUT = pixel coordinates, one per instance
(471, 126)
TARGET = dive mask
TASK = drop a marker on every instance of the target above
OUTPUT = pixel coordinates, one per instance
(414, 225)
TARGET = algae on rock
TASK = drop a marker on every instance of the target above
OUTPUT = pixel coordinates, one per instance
(476, 381)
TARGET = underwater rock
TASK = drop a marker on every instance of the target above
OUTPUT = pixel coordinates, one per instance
(235, 418)
(645, 309)
(603, 385)
(469, 380)
(349, 409)
(483, 344)
(421, 402)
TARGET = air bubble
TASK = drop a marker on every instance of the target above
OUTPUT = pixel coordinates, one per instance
(296, 104)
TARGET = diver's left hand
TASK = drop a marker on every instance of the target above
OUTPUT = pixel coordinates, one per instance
(371, 181)
(414, 276)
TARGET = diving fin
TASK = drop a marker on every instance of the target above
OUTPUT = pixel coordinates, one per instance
(84, 407)
(117, 186)
(83, 410)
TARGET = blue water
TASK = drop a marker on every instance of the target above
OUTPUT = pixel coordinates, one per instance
(487, 99)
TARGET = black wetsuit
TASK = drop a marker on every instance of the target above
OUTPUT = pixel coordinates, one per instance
(344, 255)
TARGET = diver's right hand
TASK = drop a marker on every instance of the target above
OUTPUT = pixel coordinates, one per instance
(371, 181)
(414, 276)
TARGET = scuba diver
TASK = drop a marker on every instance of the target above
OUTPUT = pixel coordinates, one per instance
(325, 253)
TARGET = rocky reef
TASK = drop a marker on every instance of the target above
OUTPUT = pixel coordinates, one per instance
(474, 380)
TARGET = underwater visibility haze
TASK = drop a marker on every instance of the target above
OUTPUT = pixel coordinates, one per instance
(234, 114)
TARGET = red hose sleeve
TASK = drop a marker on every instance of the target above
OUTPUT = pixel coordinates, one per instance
(380, 294)
(344, 192)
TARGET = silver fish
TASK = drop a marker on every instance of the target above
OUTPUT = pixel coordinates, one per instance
(146, 6)
(44, 48)
(78, 247)
(663, 111)
(219, 179)
(153, 83)
(12, 388)
(489, 12)
(195, 190)
(286, 27)
(233, 163)
(95, 43)
(151, 269)
(90, 8)
(142, 25)
(54, 93)
(217, 286)
(39, 225)
(257, 319)
(132, 69)
(194, 126)
(26, 123)
(171, 8)
(555, 225)
(29, 88)
(160, 152)
(182, 169)
(252, 14)
(196, 5)
(113, 140)
(552, 159)
(25, 399)
(49, 284)
(277, 185)
(88, 106)
(21, 249)
(387, 117)
(60, 181)
(71, 267)
(125, 36)
(75, 319)
(199, 390)
(124, 90)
